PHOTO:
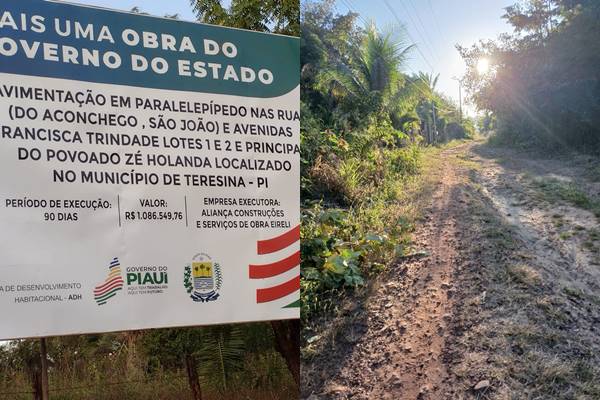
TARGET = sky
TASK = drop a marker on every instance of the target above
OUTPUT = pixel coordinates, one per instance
(435, 26)
(154, 7)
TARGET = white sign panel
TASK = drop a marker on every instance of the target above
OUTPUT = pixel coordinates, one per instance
(149, 172)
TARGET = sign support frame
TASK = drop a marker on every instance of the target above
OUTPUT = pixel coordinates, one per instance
(44, 369)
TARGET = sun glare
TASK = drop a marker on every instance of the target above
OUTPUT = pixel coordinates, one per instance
(483, 66)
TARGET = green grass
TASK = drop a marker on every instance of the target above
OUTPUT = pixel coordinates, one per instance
(555, 190)
(565, 235)
(345, 245)
(468, 162)
(594, 173)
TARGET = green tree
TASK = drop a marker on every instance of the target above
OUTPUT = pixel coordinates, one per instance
(276, 16)
(534, 18)
(542, 87)
(372, 74)
(178, 347)
(25, 356)
(426, 109)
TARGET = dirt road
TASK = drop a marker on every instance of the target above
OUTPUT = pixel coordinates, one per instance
(501, 299)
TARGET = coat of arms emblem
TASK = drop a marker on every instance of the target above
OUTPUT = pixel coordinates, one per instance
(202, 278)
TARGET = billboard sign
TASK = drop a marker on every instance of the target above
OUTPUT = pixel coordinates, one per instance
(149, 172)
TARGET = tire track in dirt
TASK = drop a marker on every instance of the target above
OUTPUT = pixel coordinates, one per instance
(401, 351)
(425, 311)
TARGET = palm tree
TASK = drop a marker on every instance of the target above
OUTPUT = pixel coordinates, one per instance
(427, 83)
(222, 353)
(372, 75)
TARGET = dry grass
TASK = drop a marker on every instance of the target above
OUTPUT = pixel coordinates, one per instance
(524, 275)
(531, 337)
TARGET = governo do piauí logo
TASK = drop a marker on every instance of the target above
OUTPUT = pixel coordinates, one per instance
(111, 285)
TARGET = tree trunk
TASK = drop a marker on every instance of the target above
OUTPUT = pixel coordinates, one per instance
(35, 375)
(36, 384)
(132, 364)
(428, 132)
(192, 373)
(44, 369)
(287, 343)
(434, 121)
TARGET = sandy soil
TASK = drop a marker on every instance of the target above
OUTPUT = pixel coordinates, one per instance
(504, 267)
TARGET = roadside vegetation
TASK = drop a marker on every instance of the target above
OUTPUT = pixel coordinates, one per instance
(554, 190)
(222, 362)
(497, 298)
(365, 124)
(542, 88)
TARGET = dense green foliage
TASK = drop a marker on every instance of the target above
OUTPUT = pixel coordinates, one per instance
(151, 364)
(276, 16)
(364, 121)
(543, 88)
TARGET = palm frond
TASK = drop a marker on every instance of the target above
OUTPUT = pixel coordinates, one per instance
(222, 353)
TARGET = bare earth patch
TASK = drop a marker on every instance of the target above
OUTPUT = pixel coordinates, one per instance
(500, 301)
